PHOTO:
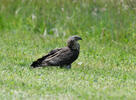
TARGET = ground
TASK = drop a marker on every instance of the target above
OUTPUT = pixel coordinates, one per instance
(103, 72)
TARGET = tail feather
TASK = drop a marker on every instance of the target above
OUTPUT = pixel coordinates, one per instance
(38, 63)
(35, 64)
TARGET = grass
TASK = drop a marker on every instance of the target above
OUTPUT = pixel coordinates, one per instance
(30, 29)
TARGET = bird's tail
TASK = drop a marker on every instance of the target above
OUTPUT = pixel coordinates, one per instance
(38, 63)
(35, 64)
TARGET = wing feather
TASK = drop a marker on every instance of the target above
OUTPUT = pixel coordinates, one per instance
(63, 57)
(39, 61)
(57, 57)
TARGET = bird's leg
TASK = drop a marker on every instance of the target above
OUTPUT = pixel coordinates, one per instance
(68, 67)
(61, 66)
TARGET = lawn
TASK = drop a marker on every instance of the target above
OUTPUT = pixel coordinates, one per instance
(105, 69)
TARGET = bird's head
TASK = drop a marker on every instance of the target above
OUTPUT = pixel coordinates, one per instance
(75, 38)
(72, 42)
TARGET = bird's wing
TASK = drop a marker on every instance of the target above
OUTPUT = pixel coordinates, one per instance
(40, 60)
(54, 51)
(62, 57)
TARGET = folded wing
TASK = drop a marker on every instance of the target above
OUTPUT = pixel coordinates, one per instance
(39, 61)
(60, 58)
(57, 57)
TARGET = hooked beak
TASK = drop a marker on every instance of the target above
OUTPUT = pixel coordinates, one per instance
(79, 38)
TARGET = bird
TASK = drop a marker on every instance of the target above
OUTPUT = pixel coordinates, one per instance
(62, 57)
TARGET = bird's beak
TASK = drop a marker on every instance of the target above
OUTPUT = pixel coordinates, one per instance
(79, 38)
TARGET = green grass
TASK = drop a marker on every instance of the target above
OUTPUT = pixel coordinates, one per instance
(108, 50)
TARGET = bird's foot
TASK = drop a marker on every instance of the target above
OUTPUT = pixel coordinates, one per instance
(66, 66)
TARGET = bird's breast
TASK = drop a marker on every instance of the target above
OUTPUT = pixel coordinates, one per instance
(75, 54)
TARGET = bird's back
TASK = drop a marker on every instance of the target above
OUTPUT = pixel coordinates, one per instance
(63, 57)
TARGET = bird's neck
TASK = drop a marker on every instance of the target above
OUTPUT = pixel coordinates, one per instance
(74, 46)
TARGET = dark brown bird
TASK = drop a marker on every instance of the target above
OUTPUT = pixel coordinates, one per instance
(62, 57)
